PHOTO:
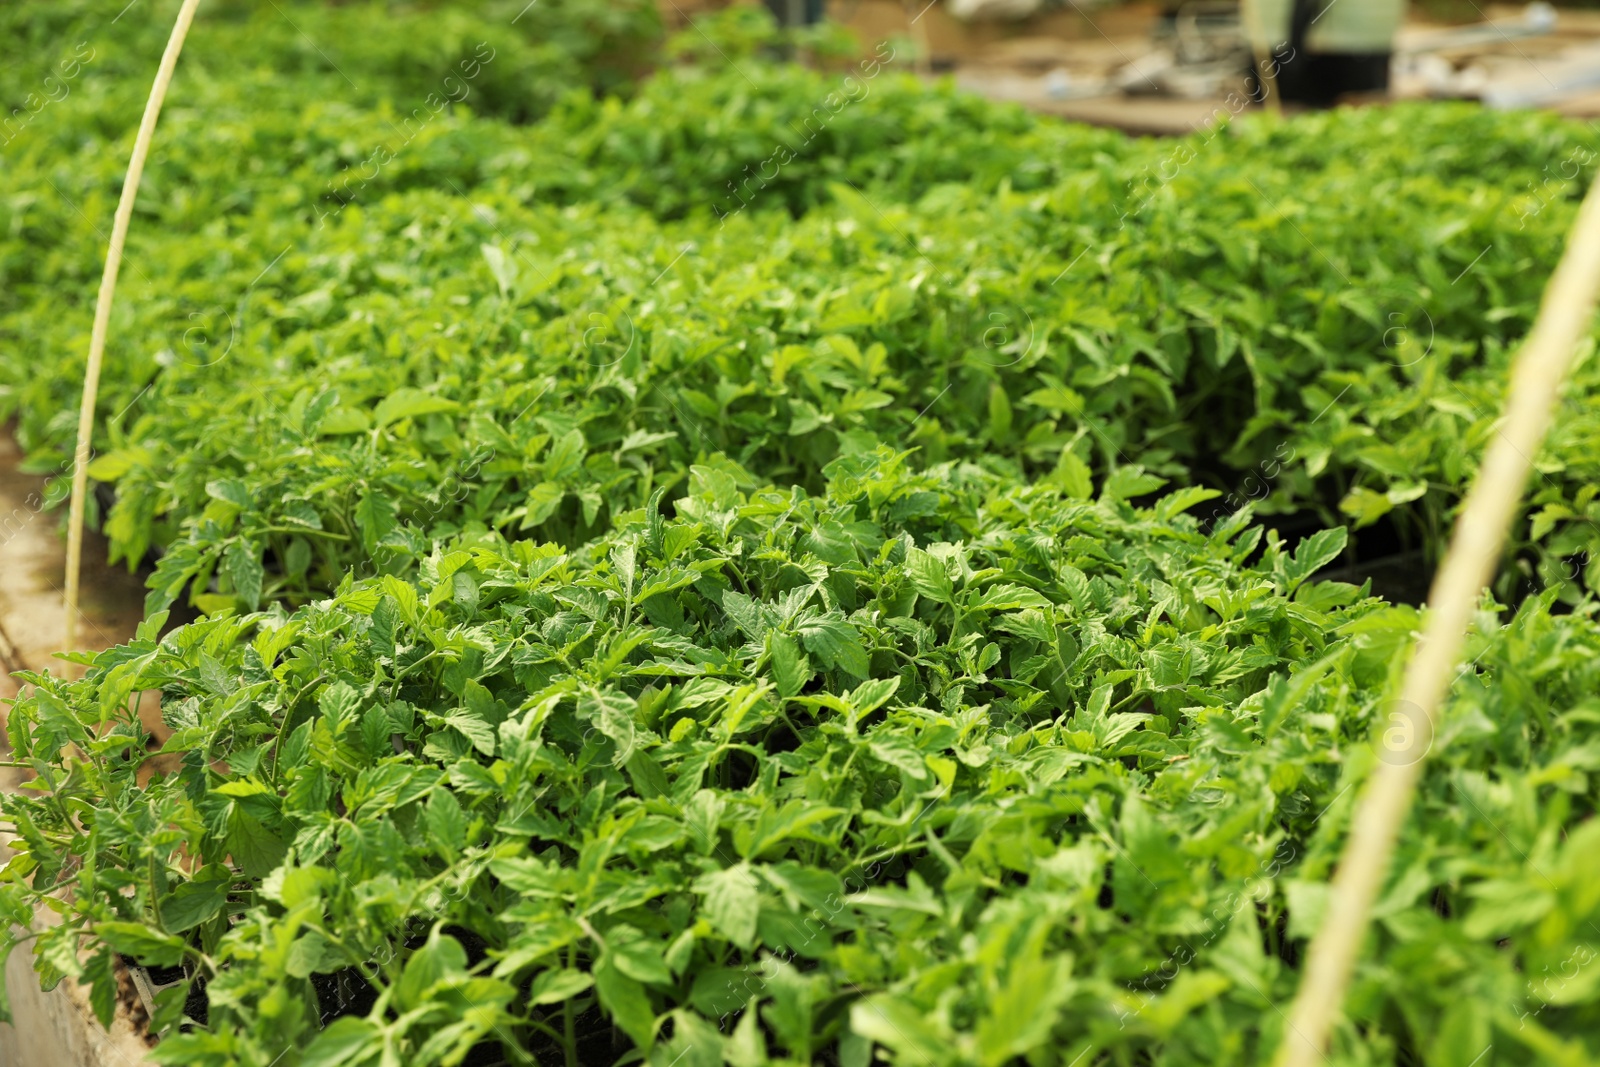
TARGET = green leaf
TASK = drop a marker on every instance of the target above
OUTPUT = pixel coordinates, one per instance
(100, 972)
(216, 678)
(928, 576)
(745, 613)
(245, 572)
(253, 847)
(873, 694)
(408, 403)
(1181, 500)
(440, 958)
(114, 464)
(790, 1012)
(230, 490)
(1312, 554)
(625, 1000)
(501, 268)
(837, 644)
(478, 732)
(694, 1043)
(701, 817)
(346, 1042)
(732, 903)
(649, 781)
(556, 985)
(1022, 1012)
(747, 1047)
(339, 702)
(908, 1031)
(375, 518)
(447, 823)
(342, 421)
(1057, 399)
(1000, 415)
(612, 714)
(794, 819)
(637, 957)
(143, 943)
(543, 499)
(193, 903)
(565, 457)
(1072, 475)
(1007, 596)
(1125, 483)
(314, 954)
(790, 667)
(1364, 506)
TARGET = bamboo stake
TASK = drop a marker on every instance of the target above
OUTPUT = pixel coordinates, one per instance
(1475, 545)
(102, 311)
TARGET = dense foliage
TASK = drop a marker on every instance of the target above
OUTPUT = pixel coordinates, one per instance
(924, 762)
(968, 772)
(367, 53)
(763, 566)
(1256, 329)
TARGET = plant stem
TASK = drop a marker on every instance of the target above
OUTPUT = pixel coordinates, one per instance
(569, 1044)
(306, 531)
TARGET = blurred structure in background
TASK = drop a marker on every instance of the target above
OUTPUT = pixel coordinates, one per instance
(1318, 51)
(796, 12)
(1171, 66)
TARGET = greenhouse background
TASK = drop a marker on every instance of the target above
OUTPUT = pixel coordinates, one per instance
(836, 532)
